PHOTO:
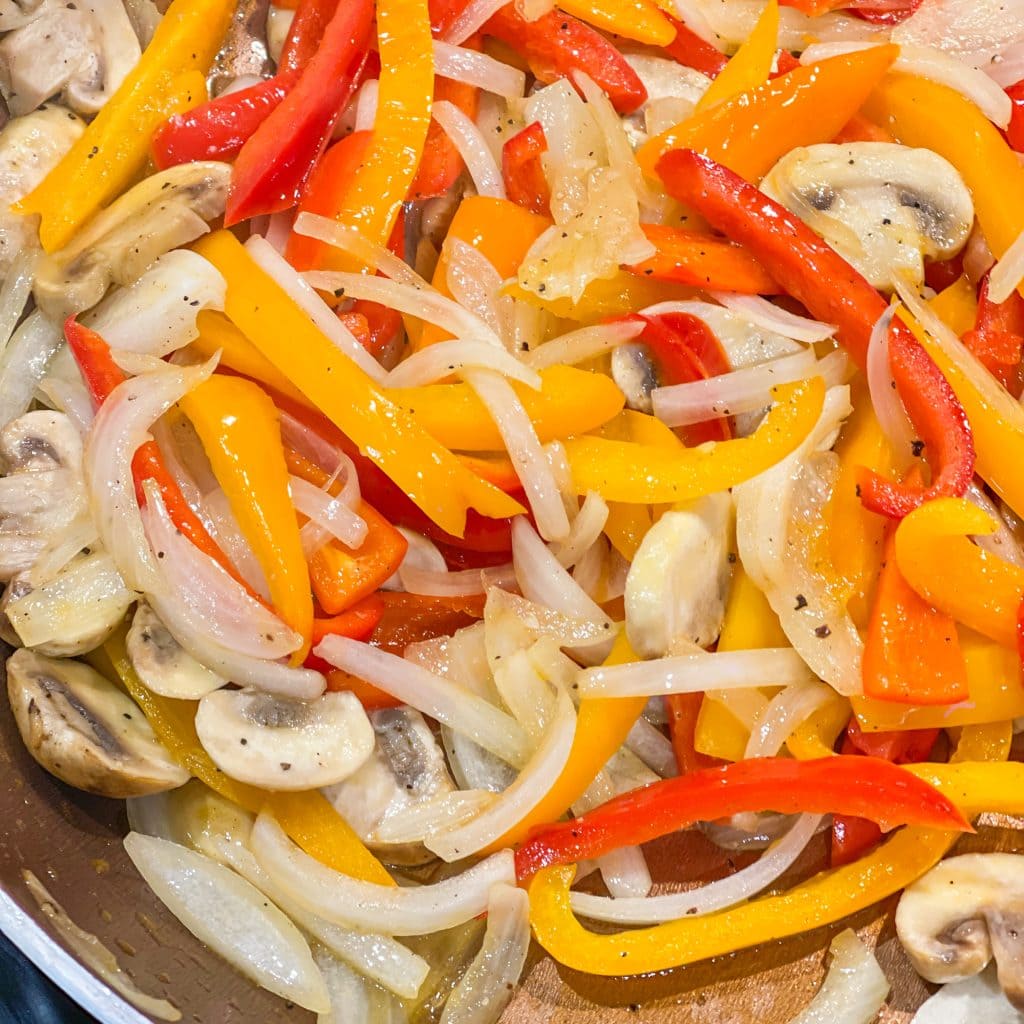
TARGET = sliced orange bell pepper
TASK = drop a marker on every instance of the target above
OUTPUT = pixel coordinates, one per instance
(632, 19)
(749, 132)
(752, 63)
(239, 428)
(957, 305)
(357, 623)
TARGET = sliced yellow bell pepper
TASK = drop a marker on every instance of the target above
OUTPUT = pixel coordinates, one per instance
(432, 477)
(959, 578)
(817, 735)
(405, 95)
(749, 132)
(827, 897)
(621, 471)
(933, 116)
(306, 816)
(601, 728)
(957, 306)
(239, 427)
(632, 19)
(112, 151)
(993, 685)
(750, 65)
(990, 742)
(570, 401)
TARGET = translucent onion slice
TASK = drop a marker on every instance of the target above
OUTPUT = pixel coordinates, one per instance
(783, 713)
(693, 673)
(333, 515)
(232, 917)
(979, 998)
(854, 990)
(582, 344)
(353, 997)
(586, 529)
(1008, 274)
(1003, 542)
(717, 895)
(530, 787)
(566, 630)
(892, 416)
(474, 68)
(487, 986)
(1009, 68)
(23, 363)
(366, 106)
(439, 698)
(391, 910)
(472, 147)
(15, 290)
(476, 285)
(472, 18)
(762, 313)
(438, 361)
(442, 583)
(441, 813)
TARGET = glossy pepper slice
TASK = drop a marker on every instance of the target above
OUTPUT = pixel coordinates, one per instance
(632, 19)
(556, 45)
(276, 161)
(813, 272)
(441, 163)
(752, 63)
(997, 337)
(867, 787)
(1015, 131)
(688, 49)
(523, 171)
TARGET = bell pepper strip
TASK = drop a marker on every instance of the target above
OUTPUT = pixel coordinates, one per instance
(569, 401)
(912, 652)
(688, 49)
(640, 20)
(750, 132)
(372, 199)
(682, 710)
(602, 726)
(802, 262)
(276, 161)
(752, 63)
(972, 585)
(101, 375)
(868, 787)
(306, 816)
(441, 163)
(703, 261)
(557, 45)
(932, 116)
(429, 473)
(957, 306)
(523, 171)
(621, 471)
(240, 431)
(375, 325)
(997, 337)
(1014, 133)
(411, 618)
(357, 623)
(371, 697)
(817, 735)
(112, 151)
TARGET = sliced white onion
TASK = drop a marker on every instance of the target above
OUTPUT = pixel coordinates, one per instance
(783, 713)
(975, 31)
(353, 996)
(745, 390)
(582, 344)
(762, 313)
(435, 362)
(422, 555)
(23, 363)
(295, 434)
(693, 673)
(885, 400)
(524, 449)
(438, 814)
(14, 292)
(565, 630)
(333, 515)
(475, 68)
(1002, 542)
(435, 583)
(1008, 274)
(476, 285)
(439, 698)
(324, 319)
(854, 990)
(81, 533)
(224, 529)
(691, 14)
(472, 18)
(486, 988)
(717, 895)
(472, 147)
(976, 999)
(1008, 68)
(586, 529)
(232, 917)
(366, 105)
(71, 398)
(356, 904)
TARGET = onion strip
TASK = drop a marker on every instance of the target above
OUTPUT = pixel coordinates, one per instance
(472, 147)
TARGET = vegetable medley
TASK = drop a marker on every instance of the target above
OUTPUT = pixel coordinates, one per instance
(449, 445)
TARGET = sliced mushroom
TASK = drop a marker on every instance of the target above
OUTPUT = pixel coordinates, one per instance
(81, 50)
(244, 51)
(963, 913)
(635, 372)
(407, 768)
(38, 441)
(83, 729)
(30, 147)
(163, 212)
(162, 663)
(883, 206)
(278, 743)
(677, 584)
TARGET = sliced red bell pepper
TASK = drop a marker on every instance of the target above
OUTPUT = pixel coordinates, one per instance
(443, 14)
(866, 787)
(683, 709)
(557, 45)
(373, 324)
(356, 623)
(940, 274)
(101, 375)
(691, 51)
(998, 336)
(833, 291)
(523, 170)
(275, 163)
(1015, 132)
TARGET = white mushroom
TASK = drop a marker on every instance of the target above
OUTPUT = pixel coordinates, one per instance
(278, 743)
(963, 913)
(163, 212)
(636, 373)
(83, 729)
(883, 206)
(29, 148)
(407, 768)
(162, 663)
(38, 441)
(676, 586)
(82, 50)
